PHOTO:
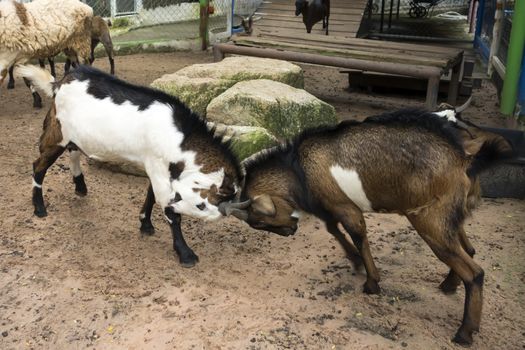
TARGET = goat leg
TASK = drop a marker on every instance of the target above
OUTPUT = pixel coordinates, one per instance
(146, 227)
(48, 155)
(186, 256)
(351, 251)
(452, 281)
(11, 82)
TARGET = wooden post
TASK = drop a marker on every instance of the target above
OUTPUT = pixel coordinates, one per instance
(432, 92)
(203, 28)
(454, 84)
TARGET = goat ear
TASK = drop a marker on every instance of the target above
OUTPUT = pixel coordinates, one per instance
(473, 146)
(263, 204)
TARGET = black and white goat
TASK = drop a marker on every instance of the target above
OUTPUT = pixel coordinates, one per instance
(418, 164)
(313, 11)
(191, 172)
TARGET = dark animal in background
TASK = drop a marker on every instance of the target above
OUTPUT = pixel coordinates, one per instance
(99, 34)
(247, 24)
(191, 171)
(313, 11)
(419, 164)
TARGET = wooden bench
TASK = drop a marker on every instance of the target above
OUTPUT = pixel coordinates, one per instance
(412, 60)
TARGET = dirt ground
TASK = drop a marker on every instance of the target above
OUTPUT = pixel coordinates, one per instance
(84, 277)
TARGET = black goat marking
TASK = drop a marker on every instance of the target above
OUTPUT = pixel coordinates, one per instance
(176, 169)
(80, 185)
(177, 198)
(201, 206)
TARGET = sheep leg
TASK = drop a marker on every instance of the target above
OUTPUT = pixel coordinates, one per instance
(327, 24)
(351, 251)
(447, 247)
(353, 221)
(186, 256)
(48, 155)
(52, 66)
(146, 227)
(452, 281)
(76, 171)
(42, 63)
(37, 100)
(11, 82)
(67, 66)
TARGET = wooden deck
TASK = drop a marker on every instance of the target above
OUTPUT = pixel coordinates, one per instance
(281, 35)
(345, 17)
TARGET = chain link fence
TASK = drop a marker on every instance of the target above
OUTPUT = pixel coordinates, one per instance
(172, 19)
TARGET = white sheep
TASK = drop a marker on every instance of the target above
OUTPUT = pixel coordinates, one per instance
(43, 29)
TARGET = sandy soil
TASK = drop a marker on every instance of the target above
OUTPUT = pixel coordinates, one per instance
(84, 277)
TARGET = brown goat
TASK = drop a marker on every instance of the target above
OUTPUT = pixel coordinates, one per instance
(413, 163)
(100, 33)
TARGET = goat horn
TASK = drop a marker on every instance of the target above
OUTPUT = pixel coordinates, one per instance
(228, 208)
(464, 106)
(239, 214)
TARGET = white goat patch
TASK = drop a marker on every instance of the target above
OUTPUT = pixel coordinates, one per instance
(74, 157)
(36, 184)
(189, 180)
(108, 131)
(449, 114)
(297, 214)
(349, 182)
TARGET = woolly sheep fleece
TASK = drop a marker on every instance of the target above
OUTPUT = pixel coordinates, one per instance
(44, 28)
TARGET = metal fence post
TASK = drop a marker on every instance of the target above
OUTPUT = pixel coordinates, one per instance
(113, 8)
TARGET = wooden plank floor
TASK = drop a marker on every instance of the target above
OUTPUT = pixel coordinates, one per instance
(345, 17)
(363, 49)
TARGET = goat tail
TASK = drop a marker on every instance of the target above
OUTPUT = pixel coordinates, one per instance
(491, 149)
(40, 78)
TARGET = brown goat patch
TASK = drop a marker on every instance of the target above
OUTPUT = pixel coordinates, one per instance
(52, 130)
(21, 12)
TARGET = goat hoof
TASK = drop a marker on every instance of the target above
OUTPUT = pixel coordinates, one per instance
(10, 86)
(463, 338)
(448, 287)
(41, 212)
(189, 259)
(371, 287)
(81, 192)
(147, 228)
(37, 105)
(80, 185)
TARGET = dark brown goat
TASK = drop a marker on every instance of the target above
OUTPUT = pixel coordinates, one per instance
(313, 11)
(413, 163)
(99, 34)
